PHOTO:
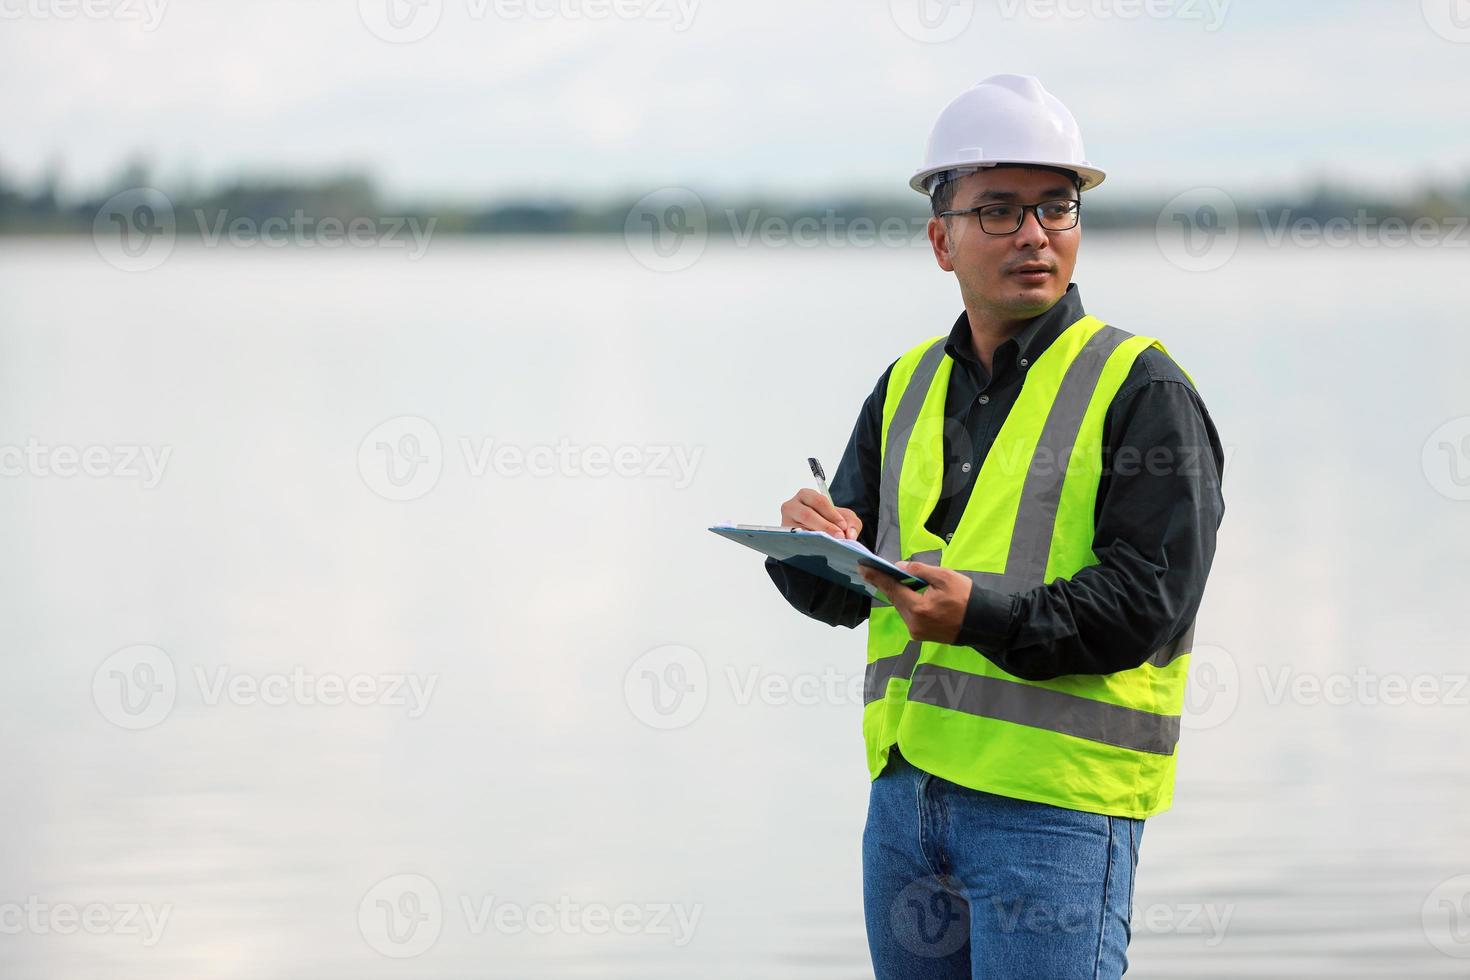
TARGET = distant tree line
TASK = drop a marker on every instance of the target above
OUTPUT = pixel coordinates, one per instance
(44, 210)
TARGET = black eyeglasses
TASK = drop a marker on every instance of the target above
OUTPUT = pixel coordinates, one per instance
(1006, 219)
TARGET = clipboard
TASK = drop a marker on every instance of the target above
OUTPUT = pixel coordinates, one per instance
(833, 559)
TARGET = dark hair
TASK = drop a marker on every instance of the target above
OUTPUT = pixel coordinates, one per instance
(941, 198)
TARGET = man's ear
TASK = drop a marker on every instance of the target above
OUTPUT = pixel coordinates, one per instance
(939, 240)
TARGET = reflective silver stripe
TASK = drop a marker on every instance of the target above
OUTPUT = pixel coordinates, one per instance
(880, 672)
(1041, 493)
(1044, 708)
(1174, 649)
(884, 669)
(900, 427)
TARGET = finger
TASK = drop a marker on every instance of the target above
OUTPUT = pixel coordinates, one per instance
(933, 574)
(813, 521)
(823, 506)
(885, 585)
(893, 590)
(854, 523)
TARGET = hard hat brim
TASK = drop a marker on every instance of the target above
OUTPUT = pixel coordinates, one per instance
(1091, 176)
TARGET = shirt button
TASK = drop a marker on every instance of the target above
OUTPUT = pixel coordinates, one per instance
(964, 467)
(1024, 362)
(983, 399)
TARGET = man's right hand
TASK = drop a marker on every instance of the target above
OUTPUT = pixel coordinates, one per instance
(810, 509)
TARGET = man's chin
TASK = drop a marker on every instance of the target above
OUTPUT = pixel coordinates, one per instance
(1024, 301)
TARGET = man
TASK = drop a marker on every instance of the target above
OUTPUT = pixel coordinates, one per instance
(1056, 482)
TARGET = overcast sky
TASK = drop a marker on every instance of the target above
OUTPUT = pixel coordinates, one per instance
(503, 97)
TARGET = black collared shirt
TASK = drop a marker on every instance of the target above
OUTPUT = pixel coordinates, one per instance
(1158, 507)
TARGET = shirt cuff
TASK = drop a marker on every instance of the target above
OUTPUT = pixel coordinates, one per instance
(987, 623)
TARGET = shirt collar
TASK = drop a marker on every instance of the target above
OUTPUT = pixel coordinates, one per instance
(1034, 338)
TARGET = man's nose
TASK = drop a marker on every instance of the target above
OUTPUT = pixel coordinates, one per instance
(1031, 233)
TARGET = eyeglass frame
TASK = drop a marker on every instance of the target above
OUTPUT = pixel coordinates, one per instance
(1035, 209)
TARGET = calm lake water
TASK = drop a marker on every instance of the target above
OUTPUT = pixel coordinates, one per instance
(375, 632)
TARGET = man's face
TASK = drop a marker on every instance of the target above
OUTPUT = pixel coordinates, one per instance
(1015, 276)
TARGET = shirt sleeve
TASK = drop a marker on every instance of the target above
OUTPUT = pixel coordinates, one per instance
(1159, 507)
(854, 486)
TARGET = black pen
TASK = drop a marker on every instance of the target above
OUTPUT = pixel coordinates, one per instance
(821, 478)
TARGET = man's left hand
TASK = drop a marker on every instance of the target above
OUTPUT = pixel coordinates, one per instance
(934, 614)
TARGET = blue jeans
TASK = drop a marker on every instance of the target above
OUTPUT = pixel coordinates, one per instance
(960, 883)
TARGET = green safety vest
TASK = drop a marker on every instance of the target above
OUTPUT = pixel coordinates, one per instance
(1103, 743)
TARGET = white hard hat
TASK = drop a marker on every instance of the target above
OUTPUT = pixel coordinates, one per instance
(1005, 119)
